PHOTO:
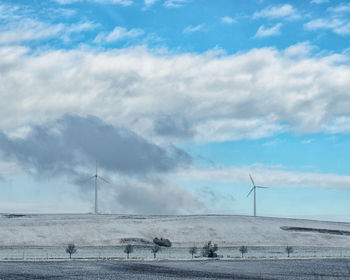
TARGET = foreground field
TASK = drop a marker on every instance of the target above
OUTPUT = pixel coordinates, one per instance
(190, 270)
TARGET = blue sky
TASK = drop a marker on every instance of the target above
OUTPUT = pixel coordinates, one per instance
(178, 100)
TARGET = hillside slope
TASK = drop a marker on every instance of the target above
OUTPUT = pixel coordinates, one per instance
(104, 230)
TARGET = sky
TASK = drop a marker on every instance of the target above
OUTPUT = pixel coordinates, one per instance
(178, 101)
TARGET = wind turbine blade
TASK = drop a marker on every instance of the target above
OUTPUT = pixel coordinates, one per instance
(99, 177)
(251, 191)
(252, 180)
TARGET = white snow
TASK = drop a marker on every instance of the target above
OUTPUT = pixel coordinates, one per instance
(183, 231)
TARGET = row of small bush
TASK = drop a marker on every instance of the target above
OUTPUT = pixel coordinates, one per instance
(209, 250)
(71, 249)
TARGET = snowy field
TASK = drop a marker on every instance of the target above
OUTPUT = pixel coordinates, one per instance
(309, 269)
(183, 231)
(33, 237)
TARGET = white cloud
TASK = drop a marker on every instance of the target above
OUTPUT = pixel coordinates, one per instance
(7, 11)
(276, 12)
(247, 95)
(338, 125)
(22, 25)
(343, 30)
(29, 30)
(175, 3)
(8, 168)
(307, 141)
(228, 20)
(266, 32)
(322, 24)
(338, 26)
(299, 50)
(119, 2)
(61, 12)
(150, 2)
(267, 176)
(338, 21)
(319, 1)
(119, 33)
(79, 27)
(340, 9)
(225, 129)
(191, 28)
(67, 2)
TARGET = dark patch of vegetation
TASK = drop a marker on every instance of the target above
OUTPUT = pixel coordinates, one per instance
(317, 230)
(10, 216)
(135, 241)
(209, 250)
(132, 217)
(163, 242)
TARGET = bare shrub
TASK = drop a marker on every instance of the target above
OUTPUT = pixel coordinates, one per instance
(193, 250)
(155, 249)
(289, 250)
(243, 250)
(128, 250)
(71, 249)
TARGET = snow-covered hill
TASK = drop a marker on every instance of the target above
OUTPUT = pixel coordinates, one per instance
(104, 230)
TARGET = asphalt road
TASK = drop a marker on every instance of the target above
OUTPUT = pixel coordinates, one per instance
(211, 269)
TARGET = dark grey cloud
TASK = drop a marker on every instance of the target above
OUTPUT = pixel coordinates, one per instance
(73, 141)
(152, 195)
(173, 126)
(70, 145)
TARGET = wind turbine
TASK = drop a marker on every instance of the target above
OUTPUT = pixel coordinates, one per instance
(254, 189)
(97, 177)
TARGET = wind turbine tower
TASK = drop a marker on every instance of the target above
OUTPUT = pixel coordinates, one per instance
(254, 189)
(97, 177)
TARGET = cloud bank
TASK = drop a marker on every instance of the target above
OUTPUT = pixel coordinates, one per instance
(256, 94)
(68, 147)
